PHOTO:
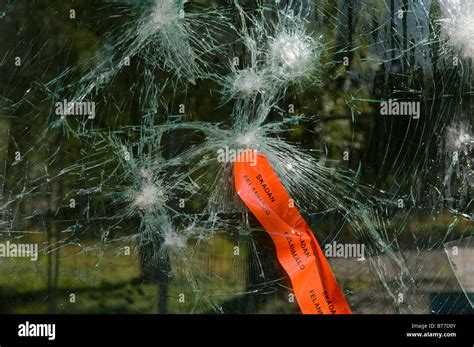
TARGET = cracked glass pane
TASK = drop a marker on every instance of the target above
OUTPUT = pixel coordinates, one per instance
(174, 156)
(460, 255)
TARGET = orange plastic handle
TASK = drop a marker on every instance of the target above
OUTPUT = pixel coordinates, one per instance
(298, 251)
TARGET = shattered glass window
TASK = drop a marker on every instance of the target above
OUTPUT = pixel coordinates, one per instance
(122, 124)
